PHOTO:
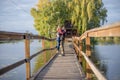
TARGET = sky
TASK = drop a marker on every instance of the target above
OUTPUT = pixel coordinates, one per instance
(113, 8)
(15, 14)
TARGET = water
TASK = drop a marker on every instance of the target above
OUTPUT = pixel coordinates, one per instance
(13, 52)
(108, 57)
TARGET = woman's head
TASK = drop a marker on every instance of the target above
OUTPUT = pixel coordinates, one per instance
(59, 26)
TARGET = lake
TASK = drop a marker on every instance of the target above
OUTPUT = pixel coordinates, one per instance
(108, 59)
(107, 56)
(14, 51)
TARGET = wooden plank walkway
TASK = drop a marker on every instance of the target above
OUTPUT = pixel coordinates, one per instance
(63, 67)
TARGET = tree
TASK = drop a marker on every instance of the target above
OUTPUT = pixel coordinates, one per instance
(84, 14)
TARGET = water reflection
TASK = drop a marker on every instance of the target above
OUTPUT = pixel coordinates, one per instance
(38, 62)
(16, 74)
(44, 57)
(107, 60)
(14, 51)
(108, 40)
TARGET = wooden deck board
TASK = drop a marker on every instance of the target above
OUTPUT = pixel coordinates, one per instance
(62, 67)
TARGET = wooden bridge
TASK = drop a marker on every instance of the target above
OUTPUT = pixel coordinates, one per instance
(66, 67)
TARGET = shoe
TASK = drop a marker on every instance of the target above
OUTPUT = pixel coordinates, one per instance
(57, 51)
(63, 54)
(59, 55)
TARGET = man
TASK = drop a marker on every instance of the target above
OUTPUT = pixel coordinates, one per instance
(63, 40)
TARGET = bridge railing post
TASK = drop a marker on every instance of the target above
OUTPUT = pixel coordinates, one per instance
(80, 55)
(88, 53)
(52, 50)
(27, 56)
(76, 50)
(76, 42)
(44, 53)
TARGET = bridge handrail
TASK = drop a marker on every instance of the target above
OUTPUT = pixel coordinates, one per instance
(20, 62)
(20, 36)
(106, 31)
(4, 35)
(97, 72)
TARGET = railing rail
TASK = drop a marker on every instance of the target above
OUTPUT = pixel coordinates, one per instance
(20, 62)
(18, 36)
(26, 36)
(91, 64)
(106, 31)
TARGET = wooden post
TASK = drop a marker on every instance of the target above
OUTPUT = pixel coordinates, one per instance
(27, 55)
(44, 53)
(75, 43)
(52, 50)
(80, 55)
(77, 49)
(88, 53)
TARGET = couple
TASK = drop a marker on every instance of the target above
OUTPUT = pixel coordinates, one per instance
(61, 39)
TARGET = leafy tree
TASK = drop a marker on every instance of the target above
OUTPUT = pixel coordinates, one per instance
(84, 14)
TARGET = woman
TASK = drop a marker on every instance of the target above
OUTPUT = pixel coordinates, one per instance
(59, 33)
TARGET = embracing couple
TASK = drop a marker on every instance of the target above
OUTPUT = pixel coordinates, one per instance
(60, 39)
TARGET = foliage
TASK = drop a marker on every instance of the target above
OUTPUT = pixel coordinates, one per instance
(84, 14)
(43, 58)
(108, 40)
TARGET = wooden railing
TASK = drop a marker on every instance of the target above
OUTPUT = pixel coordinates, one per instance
(19, 36)
(106, 31)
